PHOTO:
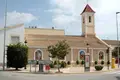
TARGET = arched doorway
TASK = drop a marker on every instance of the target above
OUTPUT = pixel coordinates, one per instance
(38, 55)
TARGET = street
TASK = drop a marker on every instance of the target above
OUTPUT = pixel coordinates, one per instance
(86, 76)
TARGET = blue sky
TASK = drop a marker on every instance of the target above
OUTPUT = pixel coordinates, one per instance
(34, 7)
(62, 14)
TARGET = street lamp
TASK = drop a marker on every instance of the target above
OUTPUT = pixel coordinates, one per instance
(25, 42)
(25, 45)
(4, 35)
(87, 59)
(87, 48)
(117, 36)
(108, 52)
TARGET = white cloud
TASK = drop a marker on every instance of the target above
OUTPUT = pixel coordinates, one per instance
(68, 11)
(16, 18)
(63, 19)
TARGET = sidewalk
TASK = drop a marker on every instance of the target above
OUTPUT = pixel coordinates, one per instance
(70, 70)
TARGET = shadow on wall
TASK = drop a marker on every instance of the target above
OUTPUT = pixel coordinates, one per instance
(118, 77)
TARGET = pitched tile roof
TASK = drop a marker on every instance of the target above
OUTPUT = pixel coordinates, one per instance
(112, 42)
(73, 41)
(88, 9)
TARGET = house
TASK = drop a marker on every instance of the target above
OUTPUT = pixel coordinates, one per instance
(14, 34)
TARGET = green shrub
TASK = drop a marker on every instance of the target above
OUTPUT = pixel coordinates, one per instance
(77, 62)
(82, 62)
(98, 67)
(102, 62)
(17, 55)
(37, 63)
(108, 62)
(68, 62)
(96, 62)
(51, 65)
(63, 64)
(56, 62)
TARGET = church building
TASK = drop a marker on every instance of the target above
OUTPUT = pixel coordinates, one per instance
(87, 43)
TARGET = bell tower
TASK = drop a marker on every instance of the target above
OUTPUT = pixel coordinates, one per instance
(88, 23)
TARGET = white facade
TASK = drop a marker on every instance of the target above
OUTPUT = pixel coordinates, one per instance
(17, 31)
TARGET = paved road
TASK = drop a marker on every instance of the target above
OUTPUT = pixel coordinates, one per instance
(93, 76)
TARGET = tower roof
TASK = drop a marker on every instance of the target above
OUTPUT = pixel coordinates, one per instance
(88, 9)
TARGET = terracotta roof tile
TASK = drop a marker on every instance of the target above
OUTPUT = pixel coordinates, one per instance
(112, 42)
(88, 9)
(73, 41)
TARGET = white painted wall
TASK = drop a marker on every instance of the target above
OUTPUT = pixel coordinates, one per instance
(19, 31)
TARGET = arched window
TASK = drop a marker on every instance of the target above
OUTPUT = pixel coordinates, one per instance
(82, 55)
(38, 55)
(90, 20)
(101, 55)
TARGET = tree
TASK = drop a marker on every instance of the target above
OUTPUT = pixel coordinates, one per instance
(17, 55)
(59, 51)
(115, 52)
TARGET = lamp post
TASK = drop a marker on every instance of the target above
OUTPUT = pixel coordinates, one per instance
(117, 36)
(25, 44)
(4, 35)
(108, 52)
(88, 52)
(87, 59)
(87, 48)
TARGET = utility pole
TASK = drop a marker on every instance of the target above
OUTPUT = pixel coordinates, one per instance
(117, 36)
(5, 35)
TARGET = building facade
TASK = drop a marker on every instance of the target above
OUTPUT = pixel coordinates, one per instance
(39, 39)
(14, 34)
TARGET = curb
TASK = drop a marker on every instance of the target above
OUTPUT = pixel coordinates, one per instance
(69, 73)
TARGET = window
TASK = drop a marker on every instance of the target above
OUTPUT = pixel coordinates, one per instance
(15, 39)
(82, 55)
(101, 55)
(89, 19)
(83, 20)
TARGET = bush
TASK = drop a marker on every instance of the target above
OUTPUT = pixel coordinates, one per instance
(52, 65)
(98, 67)
(68, 62)
(63, 64)
(77, 62)
(102, 62)
(56, 62)
(37, 63)
(108, 62)
(82, 62)
(96, 62)
(17, 55)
